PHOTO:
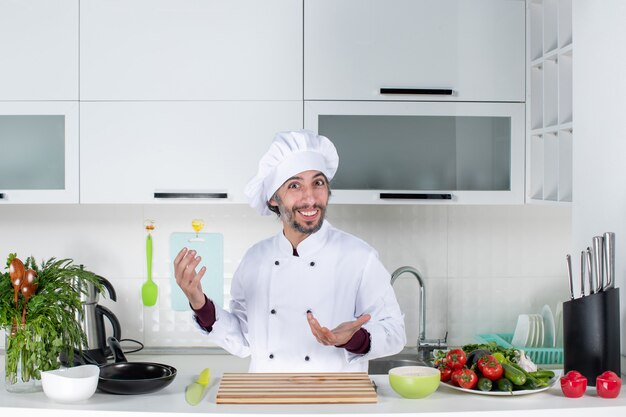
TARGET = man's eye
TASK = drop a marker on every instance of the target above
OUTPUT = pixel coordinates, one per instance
(320, 183)
(293, 185)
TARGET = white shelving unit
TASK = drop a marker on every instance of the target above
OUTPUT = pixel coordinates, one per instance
(549, 105)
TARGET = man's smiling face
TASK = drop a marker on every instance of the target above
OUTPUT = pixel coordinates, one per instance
(302, 201)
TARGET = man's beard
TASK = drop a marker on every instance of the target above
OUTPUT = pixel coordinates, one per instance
(289, 217)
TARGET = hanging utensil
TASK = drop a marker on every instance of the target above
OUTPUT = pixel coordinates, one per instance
(149, 290)
(609, 260)
(597, 261)
(568, 260)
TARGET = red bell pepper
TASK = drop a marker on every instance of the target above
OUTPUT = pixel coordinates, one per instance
(573, 384)
(608, 384)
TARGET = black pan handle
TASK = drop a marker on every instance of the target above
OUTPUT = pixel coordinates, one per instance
(415, 196)
(418, 91)
(116, 348)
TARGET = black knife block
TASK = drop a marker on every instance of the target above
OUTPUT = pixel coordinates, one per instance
(591, 334)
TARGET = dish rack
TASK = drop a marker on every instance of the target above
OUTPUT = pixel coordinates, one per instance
(540, 356)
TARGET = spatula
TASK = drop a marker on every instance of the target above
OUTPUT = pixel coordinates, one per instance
(196, 390)
(149, 290)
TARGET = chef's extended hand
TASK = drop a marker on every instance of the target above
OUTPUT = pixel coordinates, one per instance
(186, 277)
(340, 335)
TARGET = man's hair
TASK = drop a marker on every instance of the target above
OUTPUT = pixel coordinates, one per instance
(275, 197)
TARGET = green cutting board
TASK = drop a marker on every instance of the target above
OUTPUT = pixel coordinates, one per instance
(210, 247)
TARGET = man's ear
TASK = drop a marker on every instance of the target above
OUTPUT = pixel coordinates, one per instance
(272, 202)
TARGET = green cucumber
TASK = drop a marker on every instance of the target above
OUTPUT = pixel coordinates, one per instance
(504, 384)
(542, 373)
(513, 374)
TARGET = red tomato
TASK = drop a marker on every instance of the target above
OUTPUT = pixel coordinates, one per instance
(445, 373)
(573, 384)
(456, 374)
(467, 379)
(456, 358)
(490, 367)
(608, 384)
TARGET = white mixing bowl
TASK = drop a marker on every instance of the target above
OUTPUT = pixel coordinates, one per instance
(70, 385)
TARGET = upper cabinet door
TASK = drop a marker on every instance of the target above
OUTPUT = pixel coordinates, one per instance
(160, 152)
(191, 50)
(39, 50)
(39, 146)
(464, 50)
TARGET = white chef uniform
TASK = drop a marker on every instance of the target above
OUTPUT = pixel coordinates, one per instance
(336, 276)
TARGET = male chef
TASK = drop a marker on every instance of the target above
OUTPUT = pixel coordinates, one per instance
(312, 298)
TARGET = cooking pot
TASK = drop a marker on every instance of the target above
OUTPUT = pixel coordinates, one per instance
(123, 377)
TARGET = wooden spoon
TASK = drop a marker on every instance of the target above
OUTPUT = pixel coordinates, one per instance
(29, 287)
(16, 273)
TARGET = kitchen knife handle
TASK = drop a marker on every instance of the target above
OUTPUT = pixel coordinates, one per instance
(609, 259)
(583, 268)
(418, 91)
(568, 260)
(589, 271)
(415, 196)
(190, 195)
(598, 259)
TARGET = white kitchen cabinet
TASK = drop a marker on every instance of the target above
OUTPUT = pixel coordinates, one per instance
(160, 152)
(191, 50)
(424, 152)
(39, 50)
(549, 122)
(39, 146)
(354, 48)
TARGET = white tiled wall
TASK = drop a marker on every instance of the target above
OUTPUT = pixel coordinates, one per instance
(482, 265)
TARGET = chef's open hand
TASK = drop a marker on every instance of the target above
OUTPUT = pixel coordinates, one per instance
(340, 335)
(186, 277)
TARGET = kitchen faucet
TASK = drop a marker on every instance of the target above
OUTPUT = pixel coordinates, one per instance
(424, 346)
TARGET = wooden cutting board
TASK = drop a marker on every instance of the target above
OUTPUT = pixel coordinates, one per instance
(296, 388)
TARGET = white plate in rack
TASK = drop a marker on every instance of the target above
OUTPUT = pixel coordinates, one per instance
(549, 327)
(522, 334)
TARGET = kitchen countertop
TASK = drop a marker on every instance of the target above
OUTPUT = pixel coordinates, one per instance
(444, 402)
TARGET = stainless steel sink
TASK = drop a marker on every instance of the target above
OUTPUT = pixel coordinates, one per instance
(383, 365)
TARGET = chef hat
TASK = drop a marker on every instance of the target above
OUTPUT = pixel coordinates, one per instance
(289, 154)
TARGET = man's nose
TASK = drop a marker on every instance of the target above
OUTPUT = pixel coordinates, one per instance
(308, 196)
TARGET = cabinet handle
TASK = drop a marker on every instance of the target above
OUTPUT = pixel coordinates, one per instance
(415, 196)
(2, 196)
(418, 91)
(190, 195)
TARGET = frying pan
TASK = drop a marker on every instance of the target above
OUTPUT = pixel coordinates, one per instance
(126, 378)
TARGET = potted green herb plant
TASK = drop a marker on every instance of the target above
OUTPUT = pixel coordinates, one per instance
(39, 310)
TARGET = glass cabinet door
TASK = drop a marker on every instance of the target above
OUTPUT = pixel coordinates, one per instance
(460, 152)
(39, 143)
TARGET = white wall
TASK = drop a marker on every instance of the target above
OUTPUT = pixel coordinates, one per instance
(483, 265)
(599, 67)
